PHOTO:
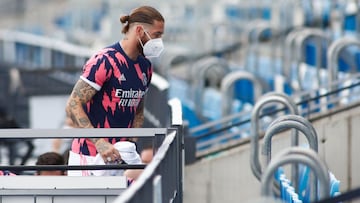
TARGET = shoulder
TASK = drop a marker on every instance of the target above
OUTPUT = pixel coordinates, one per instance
(105, 52)
(98, 58)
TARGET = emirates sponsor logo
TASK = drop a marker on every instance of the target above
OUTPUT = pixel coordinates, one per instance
(129, 97)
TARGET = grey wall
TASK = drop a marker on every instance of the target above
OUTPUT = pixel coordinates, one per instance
(227, 177)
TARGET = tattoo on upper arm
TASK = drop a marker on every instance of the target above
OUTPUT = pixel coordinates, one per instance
(83, 91)
(81, 94)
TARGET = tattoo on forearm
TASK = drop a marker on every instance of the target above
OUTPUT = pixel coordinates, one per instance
(139, 116)
(138, 121)
(73, 118)
(84, 121)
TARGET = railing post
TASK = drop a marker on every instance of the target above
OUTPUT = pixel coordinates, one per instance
(189, 145)
(158, 140)
(179, 163)
(177, 124)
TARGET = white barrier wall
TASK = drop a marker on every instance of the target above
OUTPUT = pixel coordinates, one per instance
(227, 177)
(61, 189)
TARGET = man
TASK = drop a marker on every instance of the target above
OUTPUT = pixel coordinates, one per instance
(50, 158)
(147, 154)
(110, 92)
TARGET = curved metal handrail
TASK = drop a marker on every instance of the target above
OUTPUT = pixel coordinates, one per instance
(204, 64)
(297, 155)
(313, 156)
(227, 90)
(333, 54)
(198, 83)
(260, 27)
(299, 44)
(283, 123)
(301, 120)
(265, 99)
(279, 126)
(288, 53)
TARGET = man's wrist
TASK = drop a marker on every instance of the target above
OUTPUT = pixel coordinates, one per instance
(94, 140)
(100, 144)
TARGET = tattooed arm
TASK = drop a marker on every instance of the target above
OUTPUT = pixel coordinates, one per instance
(81, 94)
(139, 116)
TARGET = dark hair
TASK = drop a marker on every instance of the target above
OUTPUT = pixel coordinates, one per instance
(50, 158)
(143, 14)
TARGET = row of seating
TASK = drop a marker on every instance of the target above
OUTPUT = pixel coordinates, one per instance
(310, 63)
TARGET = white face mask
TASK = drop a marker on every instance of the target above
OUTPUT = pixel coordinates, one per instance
(152, 48)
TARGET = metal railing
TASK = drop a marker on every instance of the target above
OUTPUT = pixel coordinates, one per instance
(162, 179)
(286, 122)
(167, 163)
(296, 155)
(164, 173)
(255, 126)
(32, 51)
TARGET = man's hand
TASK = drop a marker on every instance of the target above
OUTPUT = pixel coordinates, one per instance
(107, 151)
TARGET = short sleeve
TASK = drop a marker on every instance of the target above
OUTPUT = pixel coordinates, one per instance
(96, 71)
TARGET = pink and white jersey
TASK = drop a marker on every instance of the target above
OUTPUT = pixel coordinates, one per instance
(121, 83)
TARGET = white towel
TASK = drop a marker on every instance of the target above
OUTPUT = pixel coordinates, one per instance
(127, 152)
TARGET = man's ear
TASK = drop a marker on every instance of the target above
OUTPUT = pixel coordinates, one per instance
(139, 30)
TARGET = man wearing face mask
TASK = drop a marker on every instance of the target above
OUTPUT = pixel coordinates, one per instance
(110, 92)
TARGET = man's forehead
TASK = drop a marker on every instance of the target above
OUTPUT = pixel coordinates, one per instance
(158, 27)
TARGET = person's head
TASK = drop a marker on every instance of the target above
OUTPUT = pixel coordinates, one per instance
(147, 155)
(147, 152)
(143, 24)
(50, 158)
